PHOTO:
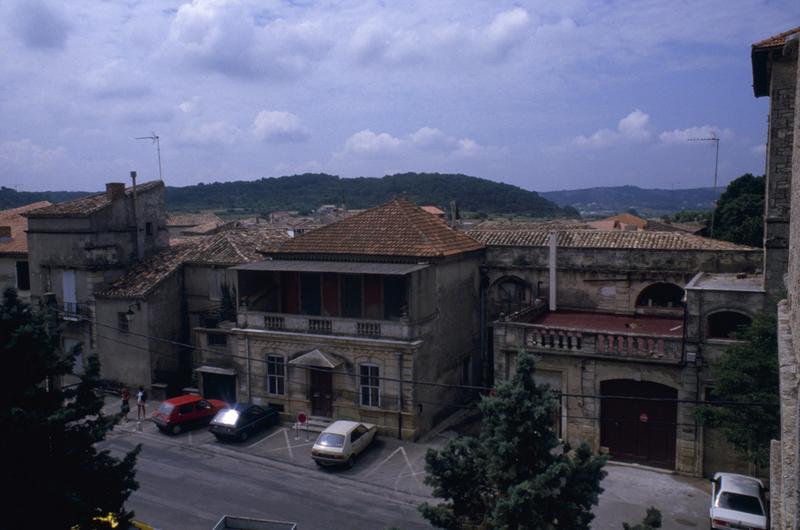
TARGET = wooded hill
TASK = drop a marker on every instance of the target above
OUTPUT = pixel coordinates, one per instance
(609, 200)
(308, 191)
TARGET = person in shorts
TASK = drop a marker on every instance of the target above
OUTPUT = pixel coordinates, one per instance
(141, 404)
(125, 408)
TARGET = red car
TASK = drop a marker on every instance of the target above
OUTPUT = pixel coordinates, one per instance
(184, 412)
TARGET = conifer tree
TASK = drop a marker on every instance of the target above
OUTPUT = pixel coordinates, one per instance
(54, 475)
(517, 474)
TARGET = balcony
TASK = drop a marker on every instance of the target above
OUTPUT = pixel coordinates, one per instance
(314, 324)
(641, 338)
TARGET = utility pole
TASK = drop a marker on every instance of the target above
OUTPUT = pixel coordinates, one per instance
(714, 139)
(154, 137)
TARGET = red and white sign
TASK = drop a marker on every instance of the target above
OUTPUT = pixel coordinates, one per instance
(302, 418)
(643, 417)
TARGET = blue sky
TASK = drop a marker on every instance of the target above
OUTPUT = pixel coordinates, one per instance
(541, 94)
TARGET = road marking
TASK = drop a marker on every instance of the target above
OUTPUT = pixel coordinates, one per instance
(281, 448)
(288, 445)
(265, 439)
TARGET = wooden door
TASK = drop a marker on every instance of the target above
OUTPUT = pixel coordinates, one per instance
(321, 392)
(639, 423)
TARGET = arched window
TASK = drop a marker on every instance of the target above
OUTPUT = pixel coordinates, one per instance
(724, 324)
(510, 293)
(661, 295)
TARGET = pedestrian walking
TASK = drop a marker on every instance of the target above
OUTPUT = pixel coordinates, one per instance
(125, 408)
(141, 404)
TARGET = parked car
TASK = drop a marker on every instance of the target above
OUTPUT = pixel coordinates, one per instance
(737, 502)
(341, 442)
(240, 421)
(184, 412)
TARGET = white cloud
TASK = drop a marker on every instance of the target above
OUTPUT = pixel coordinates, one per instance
(428, 140)
(224, 36)
(39, 25)
(635, 127)
(703, 131)
(190, 106)
(116, 79)
(507, 30)
(759, 150)
(279, 126)
(211, 133)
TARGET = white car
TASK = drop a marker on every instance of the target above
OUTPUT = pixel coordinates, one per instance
(341, 442)
(737, 503)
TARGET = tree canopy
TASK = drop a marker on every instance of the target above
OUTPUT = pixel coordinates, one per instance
(739, 215)
(517, 474)
(748, 373)
(55, 477)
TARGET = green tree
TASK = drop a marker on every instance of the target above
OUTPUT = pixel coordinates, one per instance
(516, 474)
(748, 373)
(652, 521)
(54, 475)
(739, 215)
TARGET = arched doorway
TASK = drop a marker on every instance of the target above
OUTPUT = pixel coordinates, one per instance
(509, 294)
(662, 295)
(638, 423)
(725, 324)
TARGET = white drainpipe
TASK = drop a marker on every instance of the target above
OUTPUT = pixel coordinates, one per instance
(552, 267)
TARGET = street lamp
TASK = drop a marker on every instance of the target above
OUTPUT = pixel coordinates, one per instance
(714, 139)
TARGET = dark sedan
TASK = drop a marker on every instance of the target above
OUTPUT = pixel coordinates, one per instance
(242, 420)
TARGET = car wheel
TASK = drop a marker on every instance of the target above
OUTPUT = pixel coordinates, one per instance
(351, 462)
(219, 438)
(176, 429)
(243, 436)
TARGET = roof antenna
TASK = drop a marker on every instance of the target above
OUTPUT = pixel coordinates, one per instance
(154, 137)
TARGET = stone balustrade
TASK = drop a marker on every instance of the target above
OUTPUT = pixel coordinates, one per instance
(388, 329)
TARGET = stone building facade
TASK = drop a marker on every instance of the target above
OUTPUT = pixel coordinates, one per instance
(14, 266)
(369, 318)
(609, 314)
(79, 247)
(776, 64)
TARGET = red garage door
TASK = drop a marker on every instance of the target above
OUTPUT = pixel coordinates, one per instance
(638, 424)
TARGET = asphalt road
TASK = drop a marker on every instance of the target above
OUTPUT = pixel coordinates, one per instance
(187, 487)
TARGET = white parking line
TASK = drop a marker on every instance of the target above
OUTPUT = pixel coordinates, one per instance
(265, 438)
(288, 445)
(281, 448)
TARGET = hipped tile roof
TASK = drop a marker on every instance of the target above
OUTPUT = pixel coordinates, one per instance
(605, 239)
(192, 219)
(775, 40)
(397, 228)
(88, 205)
(14, 219)
(225, 249)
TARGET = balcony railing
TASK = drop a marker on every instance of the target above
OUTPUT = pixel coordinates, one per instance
(388, 329)
(573, 341)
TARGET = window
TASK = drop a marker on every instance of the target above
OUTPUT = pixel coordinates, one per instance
(23, 276)
(122, 321)
(661, 295)
(276, 375)
(351, 296)
(217, 339)
(725, 324)
(148, 229)
(370, 385)
(215, 280)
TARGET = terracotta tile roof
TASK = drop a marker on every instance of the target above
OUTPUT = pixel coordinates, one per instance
(775, 40)
(610, 239)
(433, 209)
(397, 228)
(234, 247)
(628, 219)
(88, 205)
(146, 275)
(226, 249)
(192, 219)
(18, 223)
(558, 224)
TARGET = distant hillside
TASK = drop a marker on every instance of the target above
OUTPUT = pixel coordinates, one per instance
(308, 191)
(605, 201)
(10, 198)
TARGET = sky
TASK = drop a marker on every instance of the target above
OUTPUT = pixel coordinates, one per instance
(545, 95)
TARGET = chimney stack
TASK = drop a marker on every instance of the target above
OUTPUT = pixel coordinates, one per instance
(115, 191)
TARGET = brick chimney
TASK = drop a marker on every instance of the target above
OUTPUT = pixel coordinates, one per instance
(115, 191)
(5, 232)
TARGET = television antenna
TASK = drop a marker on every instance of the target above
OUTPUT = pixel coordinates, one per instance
(714, 138)
(154, 137)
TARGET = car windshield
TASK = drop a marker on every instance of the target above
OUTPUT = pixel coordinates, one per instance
(740, 503)
(330, 440)
(166, 408)
(227, 417)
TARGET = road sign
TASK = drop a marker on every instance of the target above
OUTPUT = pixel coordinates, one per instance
(302, 418)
